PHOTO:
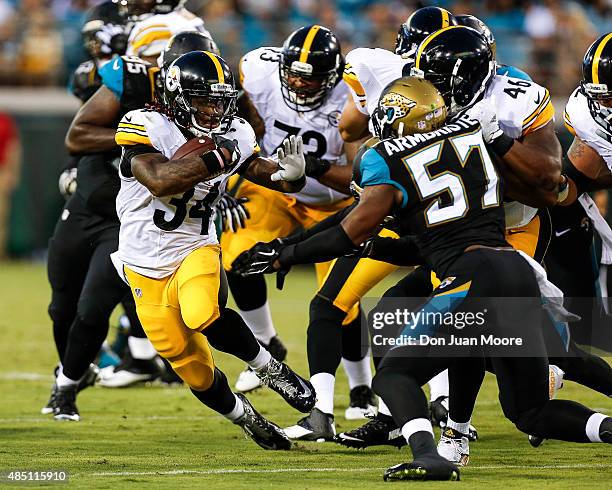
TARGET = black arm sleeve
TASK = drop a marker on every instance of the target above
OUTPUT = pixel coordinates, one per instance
(129, 152)
(327, 223)
(401, 251)
(583, 183)
(329, 244)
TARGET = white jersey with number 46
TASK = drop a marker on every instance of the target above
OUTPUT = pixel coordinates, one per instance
(157, 233)
(259, 75)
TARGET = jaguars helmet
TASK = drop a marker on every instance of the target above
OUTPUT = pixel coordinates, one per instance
(406, 106)
(137, 10)
(596, 82)
(105, 16)
(419, 25)
(459, 63)
(313, 55)
(202, 75)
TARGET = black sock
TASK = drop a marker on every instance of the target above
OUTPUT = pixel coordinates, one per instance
(422, 443)
(324, 344)
(231, 335)
(84, 343)
(605, 430)
(353, 339)
(465, 377)
(219, 396)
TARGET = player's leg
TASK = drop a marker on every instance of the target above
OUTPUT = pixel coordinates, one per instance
(269, 219)
(202, 294)
(140, 361)
(102, 291)
(187, 350)
(67, 263)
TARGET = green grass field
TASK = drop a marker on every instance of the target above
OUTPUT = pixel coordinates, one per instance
(158, 437)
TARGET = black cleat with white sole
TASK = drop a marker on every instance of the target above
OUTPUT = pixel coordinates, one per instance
(296, 391)
(317, 426)
(65, 404)
(89, 379)
(266, 434)
(427, 467)
(381, 430)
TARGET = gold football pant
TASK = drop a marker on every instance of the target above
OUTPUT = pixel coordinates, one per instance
(175, 309)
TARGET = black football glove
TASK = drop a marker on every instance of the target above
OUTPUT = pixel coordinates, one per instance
(258, 259)
(316, 167)
(233, 212)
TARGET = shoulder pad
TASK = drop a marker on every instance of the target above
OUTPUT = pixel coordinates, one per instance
(256, 67)
(85, 80)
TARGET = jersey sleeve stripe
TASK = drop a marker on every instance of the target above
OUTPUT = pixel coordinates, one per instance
(547, 114)
(125, 138)
(150, 38)
(568, 123)
(546, 100)
(132, 126)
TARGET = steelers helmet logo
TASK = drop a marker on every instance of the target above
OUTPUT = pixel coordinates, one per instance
(173, 78)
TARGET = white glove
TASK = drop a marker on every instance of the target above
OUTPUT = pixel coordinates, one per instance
(106, 34)
(291, 162)
(68, 182)
(486, 114)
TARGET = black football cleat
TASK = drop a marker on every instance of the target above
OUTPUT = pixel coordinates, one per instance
(317, 426)
(428, 467)
(49, 408)
(266, 434)
(88, 379)
(248, 380)
(65, 404)
(379, 431)
(535, 441)
(296, 391)
(438, 413)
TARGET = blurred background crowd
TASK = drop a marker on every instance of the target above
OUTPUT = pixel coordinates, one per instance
(40, 39)
(41, 45)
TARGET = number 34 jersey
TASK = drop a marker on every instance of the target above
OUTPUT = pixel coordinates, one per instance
(259, 75)
(450, 187)
(157, 233)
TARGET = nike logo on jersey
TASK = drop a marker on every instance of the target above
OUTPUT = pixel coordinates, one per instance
(538, 99)
(562, 232)
(128, 118)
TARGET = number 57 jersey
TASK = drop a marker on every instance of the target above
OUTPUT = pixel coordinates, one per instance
(259, 76)
(157, 233)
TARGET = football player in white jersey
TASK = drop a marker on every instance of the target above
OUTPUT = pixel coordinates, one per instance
(293, 90)
(168, 249)
(156, 21)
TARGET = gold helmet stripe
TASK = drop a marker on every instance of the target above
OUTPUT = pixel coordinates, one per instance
(430, 38)
(597, 56)
(215, 61)
(445, 17)
(308, 43)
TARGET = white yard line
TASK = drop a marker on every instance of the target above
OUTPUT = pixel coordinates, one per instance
(229, 471)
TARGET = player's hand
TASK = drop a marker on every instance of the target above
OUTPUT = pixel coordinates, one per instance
(291, 162)
(68, 182)
(231, 155)
(485, 112)
(109, 36)
(260, 259)
(316, 167)
(233, 212)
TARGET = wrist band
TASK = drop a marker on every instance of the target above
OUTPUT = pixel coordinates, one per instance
(214, 162)
(501, 145)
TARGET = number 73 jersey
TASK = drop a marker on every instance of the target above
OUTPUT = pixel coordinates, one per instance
(157, 233)
(450, 187)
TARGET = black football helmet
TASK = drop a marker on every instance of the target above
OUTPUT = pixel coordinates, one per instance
(478, 25)
(137, 10)
(596, 82)
(459, 62)
(421, 24)
(196, 79)
(104, 15)
(311, 54)
(183, 43)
